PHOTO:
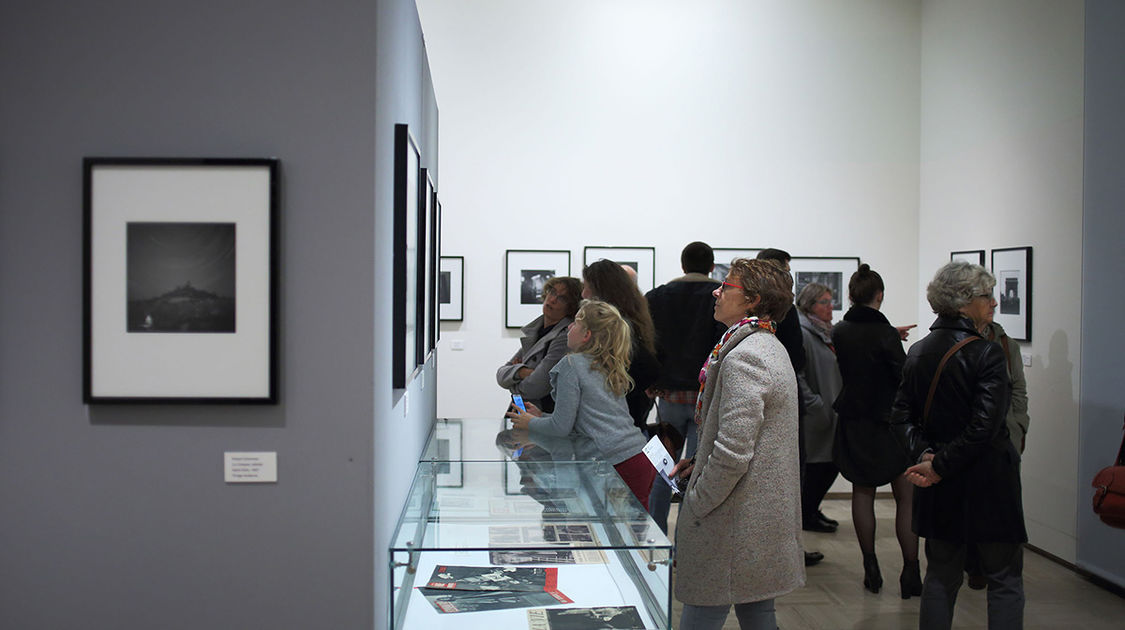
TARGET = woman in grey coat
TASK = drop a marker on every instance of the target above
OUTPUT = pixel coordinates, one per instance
(819, 383)
(737, 532)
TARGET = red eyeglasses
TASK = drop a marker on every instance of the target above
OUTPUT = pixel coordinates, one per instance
(727, 284)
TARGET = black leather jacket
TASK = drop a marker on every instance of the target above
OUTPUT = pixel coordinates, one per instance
(969, 405)
(978, 498)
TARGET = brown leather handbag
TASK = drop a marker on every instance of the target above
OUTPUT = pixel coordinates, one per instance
(1109, 491)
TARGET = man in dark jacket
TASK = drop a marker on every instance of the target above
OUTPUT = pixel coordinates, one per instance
(968, 470)
(683, 312)
(789, 334)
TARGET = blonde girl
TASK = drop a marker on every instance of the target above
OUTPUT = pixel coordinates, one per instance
(589, 387)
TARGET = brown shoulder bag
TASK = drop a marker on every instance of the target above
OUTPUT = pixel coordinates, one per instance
(1109, 491)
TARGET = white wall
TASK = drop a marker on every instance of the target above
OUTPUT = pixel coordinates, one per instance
(1002, 112)
(896, 131)
(743, 124)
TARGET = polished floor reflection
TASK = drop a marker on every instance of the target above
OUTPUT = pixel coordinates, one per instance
(834, 598)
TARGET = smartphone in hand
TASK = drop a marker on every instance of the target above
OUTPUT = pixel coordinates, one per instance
(517, 400)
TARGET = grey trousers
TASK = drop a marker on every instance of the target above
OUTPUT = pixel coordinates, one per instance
(751, 616)
(1000, 563)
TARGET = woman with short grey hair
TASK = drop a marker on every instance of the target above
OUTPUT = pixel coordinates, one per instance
(956, 285)
(818, 383)
(949, 416)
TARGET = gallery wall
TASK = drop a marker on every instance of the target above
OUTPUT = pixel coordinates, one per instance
(1001, 165)
(742, 124)
(1102, 397)
(118, 516)
(404, 93)
(894, 131)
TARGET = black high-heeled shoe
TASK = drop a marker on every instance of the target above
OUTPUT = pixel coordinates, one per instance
(910, 581)
(872, 578)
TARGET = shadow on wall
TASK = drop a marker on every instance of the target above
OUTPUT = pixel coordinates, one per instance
(1052, 441)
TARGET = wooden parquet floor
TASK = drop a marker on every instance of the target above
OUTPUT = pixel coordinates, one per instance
(834, 599)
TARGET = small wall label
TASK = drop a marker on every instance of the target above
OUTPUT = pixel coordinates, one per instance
(250, 467)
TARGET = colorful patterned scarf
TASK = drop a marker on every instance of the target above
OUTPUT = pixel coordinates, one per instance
(749, 321)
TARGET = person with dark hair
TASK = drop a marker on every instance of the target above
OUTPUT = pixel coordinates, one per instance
(683, 314)
(870, 355)
(697, 257)
(968, 469)
(789, 334)
(609, 282)
(788, 329)
(543, 344)
(738, 532)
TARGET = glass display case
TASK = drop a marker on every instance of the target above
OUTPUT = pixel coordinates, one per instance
(537, 537)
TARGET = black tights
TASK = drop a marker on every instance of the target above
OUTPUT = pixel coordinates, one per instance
(863, 515)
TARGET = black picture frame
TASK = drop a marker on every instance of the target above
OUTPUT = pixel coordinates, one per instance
(1013, 291)
(434, 270)
(180, 260)
(641, 259)
(525, 272)
(831, 271)
(437, 254)
(451, 284)
(426, 271)
(974, 256)
(407, 184)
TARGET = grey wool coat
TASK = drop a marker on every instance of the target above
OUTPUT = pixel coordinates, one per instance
(819, 383)
(737, 535)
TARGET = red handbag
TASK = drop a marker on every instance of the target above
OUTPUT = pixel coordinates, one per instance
(1109, 491)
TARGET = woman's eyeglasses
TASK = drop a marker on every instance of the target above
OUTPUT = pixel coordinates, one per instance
(723, 288)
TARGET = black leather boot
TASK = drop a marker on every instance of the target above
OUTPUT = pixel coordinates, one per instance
(872, 579)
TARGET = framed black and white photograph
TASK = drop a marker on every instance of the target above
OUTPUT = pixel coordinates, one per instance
(427, 270)
(1012, 268)
(437, 254)
(723, 258)
(448, 468)
(975, 256)
(180, 280)
(642, 260)
(451, 288)
(833, 273)
(407, 193)
(525, 273)
(434, 267)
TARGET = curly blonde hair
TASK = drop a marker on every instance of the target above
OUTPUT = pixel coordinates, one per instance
(610, 343)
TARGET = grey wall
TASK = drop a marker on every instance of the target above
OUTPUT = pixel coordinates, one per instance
(118, 517)
(404, 94)
(1100, 548)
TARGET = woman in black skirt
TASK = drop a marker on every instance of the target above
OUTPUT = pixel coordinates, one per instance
(870, 354)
